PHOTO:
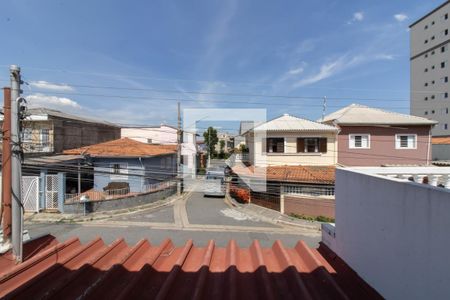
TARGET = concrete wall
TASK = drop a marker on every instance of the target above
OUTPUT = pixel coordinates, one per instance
(108, 205)
(140, 171)
(382, 146)
(441, 152)
(309, 206)
(291, 157)
(70, 134)
(394, 234)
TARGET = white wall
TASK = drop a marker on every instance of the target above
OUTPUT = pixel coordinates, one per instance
(394, 234)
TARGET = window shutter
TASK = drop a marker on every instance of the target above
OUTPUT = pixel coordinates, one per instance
(323, 145)
(300, 145)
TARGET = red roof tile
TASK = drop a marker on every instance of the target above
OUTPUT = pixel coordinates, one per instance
(123, 147)
(301, 174)
(94, 270)
(441, 140)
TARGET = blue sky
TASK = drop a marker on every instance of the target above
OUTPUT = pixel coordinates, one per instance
(155, 52)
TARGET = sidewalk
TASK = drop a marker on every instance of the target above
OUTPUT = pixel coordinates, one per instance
(44, 217)
(272, 216)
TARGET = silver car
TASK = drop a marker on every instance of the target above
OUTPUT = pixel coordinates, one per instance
(214, 184)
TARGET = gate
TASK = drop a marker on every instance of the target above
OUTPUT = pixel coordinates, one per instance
(30, 193)
(51, 192)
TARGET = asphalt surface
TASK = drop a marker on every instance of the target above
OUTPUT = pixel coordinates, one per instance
(192, 217)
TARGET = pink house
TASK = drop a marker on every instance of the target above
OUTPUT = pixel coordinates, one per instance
(374, 137)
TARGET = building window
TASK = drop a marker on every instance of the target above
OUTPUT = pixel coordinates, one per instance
(27, 135)
(425, 113)
(275, 145)
(426, 42)
(405, 141)
(432, 112)
(444, 79)
(432, 67)
(311, 145)
(426, 55)
(432, 96)
(443, 64)
(426, 70)
(444, 126)
(432, 23)
(444, 95)
(432, 38)
(442, 49)
(359, 141)
(432, 52)
(119, 171)
(426, 84)
(433, 82)
(446, 16)
(426, 98)
(45, 137)
(426, 27)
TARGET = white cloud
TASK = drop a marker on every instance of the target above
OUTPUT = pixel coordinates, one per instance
(400, 17)
(358, 16)
(296, 71)
(41, 100)
(338, 65)
(326, 70)
(45, 85)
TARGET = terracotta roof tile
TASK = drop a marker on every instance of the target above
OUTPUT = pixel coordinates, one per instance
(301, 174)
(95, 270)
(441, 140)
(123, 147)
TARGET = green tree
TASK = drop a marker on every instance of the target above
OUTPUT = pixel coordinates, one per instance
(211, 139)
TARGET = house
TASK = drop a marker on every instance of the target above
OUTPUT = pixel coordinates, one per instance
(227, 140)
(126, 160)
(288, 140)
(391, 226)
(47, 131)
(300, 190)
(373, 137)
(441, 148)
(166, 135)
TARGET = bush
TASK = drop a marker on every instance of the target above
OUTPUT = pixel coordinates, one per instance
(242, 195)
(311, 218)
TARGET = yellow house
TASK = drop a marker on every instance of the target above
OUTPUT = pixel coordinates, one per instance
(288, 140)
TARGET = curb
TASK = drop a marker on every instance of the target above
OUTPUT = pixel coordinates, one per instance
(234, 204)
(107, 215)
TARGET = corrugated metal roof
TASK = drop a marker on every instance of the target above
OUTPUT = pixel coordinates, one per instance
(60, 114)
(124, 147)
(291, 123)
(72, 270)
(356, 114)
(298, 174)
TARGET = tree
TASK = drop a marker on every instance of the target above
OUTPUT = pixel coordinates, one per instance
(211, 139)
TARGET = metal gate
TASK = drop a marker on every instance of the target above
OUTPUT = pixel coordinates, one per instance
(51, 192)
(30, 193)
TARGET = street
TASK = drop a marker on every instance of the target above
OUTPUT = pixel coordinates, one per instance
(192, 217)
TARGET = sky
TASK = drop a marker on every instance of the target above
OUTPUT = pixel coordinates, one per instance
(130, 62)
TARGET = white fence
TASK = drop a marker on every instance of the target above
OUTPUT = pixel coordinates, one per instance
(308, 190)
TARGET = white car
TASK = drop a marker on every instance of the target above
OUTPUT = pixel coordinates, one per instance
(214, 184)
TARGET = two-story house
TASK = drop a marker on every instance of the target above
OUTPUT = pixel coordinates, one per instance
(47, 131)
(288, 140)
(166, 135)
(294, 159)
(373, 137)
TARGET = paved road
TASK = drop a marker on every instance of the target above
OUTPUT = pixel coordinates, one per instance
(191, 217)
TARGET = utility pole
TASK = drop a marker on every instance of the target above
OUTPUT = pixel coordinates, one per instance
(5, 213)
(179, 175)
(16, 166)
(209, 148)
(324, 107)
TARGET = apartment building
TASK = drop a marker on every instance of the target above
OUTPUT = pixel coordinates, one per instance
(430, 70)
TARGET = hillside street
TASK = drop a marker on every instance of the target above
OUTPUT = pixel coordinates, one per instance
(191, 217)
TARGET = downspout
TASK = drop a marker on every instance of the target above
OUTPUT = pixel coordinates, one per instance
(429, 147)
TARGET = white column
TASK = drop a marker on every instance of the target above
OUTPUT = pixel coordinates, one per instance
(433, 179)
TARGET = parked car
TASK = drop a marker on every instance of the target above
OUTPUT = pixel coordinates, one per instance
(214, 183)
